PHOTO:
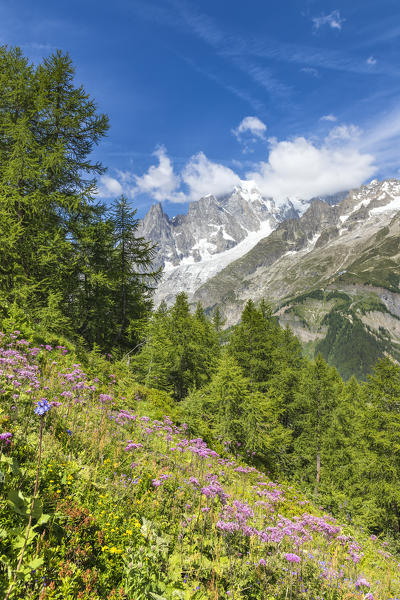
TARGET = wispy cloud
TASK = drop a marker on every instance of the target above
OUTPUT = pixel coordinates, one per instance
(241, 52)
(264, 78)
(229, 47)
(329, 117)
(199, 23)
(333, 20)
(307, 56)
(342, 133)
(219, 79)
(310, 71)
(383, 139)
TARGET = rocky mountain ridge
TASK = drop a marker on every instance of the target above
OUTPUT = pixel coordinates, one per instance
(216, 231)
(330, 267)
(333, 276)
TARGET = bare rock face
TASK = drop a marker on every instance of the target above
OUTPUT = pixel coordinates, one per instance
(327, 243)
(216, 231)
(212, 225)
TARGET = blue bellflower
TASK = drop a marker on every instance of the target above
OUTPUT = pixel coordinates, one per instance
(42, 407)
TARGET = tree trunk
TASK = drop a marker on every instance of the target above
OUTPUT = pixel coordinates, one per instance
(318, 478)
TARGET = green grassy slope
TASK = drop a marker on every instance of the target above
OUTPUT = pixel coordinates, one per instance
(130, 506)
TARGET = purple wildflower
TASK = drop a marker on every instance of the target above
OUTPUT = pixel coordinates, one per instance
(362, 582)
(133, 446)
(292, 558)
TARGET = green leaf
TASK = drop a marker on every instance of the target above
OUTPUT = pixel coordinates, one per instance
(36, 563)
(12, 464)
(19, 503)
(20, 540)
(37, 508)
(15, 467)
(43, 520)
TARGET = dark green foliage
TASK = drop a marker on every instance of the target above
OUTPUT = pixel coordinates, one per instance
(66, 263)
(316, 402)
(231, 409)
(261, 347)
(381, 464)
(180, 349)
(113, 297)
(349, 346)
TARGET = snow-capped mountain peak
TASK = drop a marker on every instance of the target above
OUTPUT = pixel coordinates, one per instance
(249, 191)
(214, 231)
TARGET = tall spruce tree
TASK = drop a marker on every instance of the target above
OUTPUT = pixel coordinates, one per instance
(380, 471)
(345, 447)
(232, 411)
(317, 399)
(134, 278)
(182, 347)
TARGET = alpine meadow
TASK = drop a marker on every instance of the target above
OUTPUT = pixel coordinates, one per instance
(203, 406)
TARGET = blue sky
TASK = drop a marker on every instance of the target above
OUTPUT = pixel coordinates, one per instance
(300, 95)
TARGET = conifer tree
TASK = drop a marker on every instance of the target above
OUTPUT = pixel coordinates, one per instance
(316, 401)
(345, 447)
(47, 131)
(230, 409)
(182, 345)
(381, 465)
(154, 363)
(218, 324)
(269, 355)
(134, 278)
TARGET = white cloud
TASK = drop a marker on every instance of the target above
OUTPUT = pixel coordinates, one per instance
(329, 117)
(343, 132)
(302, 169)
(250, 125)
(109, 187)
(371, 61)
(333, 20)
(202, 176)
(160, 181)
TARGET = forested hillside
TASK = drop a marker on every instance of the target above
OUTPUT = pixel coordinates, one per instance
(152, 453)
